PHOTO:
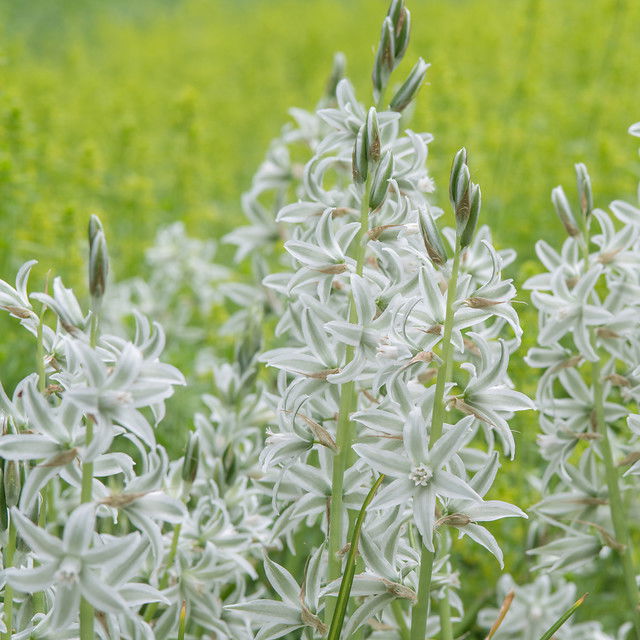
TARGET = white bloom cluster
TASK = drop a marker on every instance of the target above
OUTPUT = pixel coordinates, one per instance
(589, 347)
(382, 331)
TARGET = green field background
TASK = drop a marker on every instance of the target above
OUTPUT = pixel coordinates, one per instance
(150, 112)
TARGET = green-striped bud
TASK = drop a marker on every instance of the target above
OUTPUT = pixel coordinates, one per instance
(395, 9)
(474, 212)
(95, 227)
(191, 458)
(380, 181)
(12, 483)
(360, 161)
(408, 91)
(373, 136)
(385, 56)
(4, 517)
(459, 161)
(584, 190)
(462, 202)
(431, 237)
(401, 33)
(563, 209)
(98, 259)
(229, 463)
(337, 74)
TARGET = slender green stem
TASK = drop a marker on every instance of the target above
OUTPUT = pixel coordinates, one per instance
(444, 374)
(618, 515)
(164, 580)
(421, 608)
(398, 614)
(9, 552)
(86, 620)
(38, 598)
(86, 610)
(344, 431)
(340, 610)
(446, 630)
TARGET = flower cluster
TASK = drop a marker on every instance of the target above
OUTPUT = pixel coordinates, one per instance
(588, 346)
(388, 325)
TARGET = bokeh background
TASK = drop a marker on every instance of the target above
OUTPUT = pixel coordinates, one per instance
(149, 112)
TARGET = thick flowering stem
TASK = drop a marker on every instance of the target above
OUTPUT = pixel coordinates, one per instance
(9, 552)
(344, 432)
(618, 516)
(421, 609)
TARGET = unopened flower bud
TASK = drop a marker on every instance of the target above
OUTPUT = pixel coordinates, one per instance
(401, 33)
(12, 483)
(584, 190)
(98, 259)
(373, 136)
(229, 463)
(360, 162)
(459, 162)
(462, 206)
(95, 227)
(474, 212)
(4, 519)
(563, 209)
(384, 62)
(431, 238)
(408, 91)
(380, 181)
(337, 73)
(191, 458)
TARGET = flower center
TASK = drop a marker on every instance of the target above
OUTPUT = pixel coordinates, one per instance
(68, 570)
(421, 475)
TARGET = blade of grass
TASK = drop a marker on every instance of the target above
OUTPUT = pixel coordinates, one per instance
(350, 568)
(183, 620)
(506, 605)
(563, 618)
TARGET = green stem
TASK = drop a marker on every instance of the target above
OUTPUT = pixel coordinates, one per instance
(344, 431)
(616, 506)
(38, 598)
(164, 580)
(444, 373)
(398, 614)
(86, 610)
(446, 630)
(421, 608)
(9, 552)
(337, 619)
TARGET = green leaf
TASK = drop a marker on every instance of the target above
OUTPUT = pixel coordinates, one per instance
(563, 618)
